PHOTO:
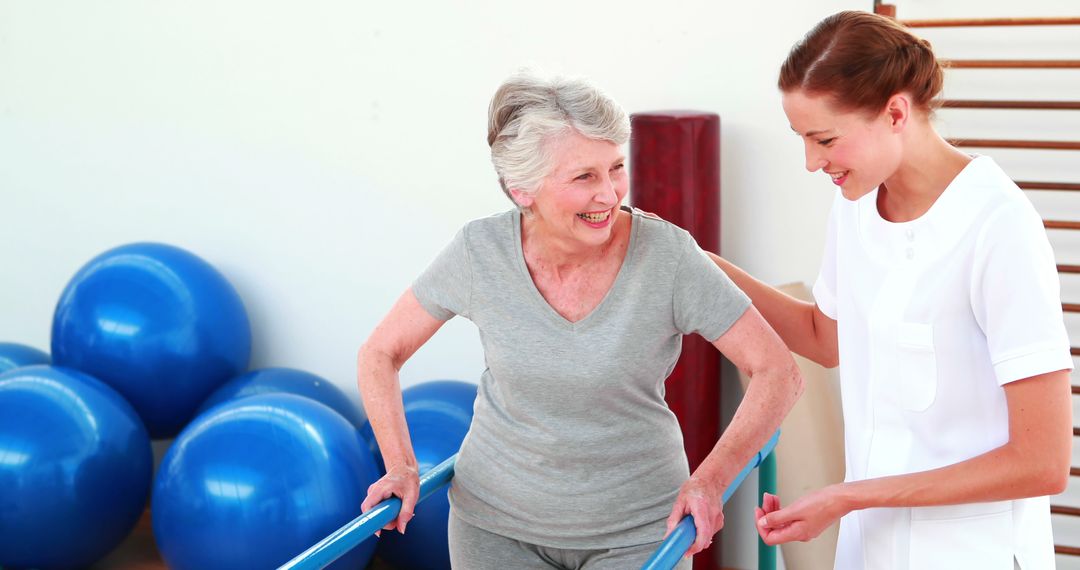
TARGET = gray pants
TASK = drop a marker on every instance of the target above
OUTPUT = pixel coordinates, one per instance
(472, 548)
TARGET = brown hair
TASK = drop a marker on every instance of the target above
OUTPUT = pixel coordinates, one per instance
(861, 60)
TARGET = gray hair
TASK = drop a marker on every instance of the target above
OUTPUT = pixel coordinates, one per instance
(528, 110)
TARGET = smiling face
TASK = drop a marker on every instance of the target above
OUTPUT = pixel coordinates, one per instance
(579, 199)
(858, 151)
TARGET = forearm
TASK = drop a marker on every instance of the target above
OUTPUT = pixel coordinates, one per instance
(1001, 474)
(769, 397)
(1035, 461)
(791, 318)
(380, 391)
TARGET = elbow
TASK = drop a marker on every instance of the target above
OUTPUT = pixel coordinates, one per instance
(1049, 476)
(824, 357)
(829, 360)
(1054, 481)
(1057, 470)
(1033, 471)
(829, 357)
(798, 383)
(371, 360)
(363, 356)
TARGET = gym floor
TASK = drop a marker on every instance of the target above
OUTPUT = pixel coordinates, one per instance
(138, 552)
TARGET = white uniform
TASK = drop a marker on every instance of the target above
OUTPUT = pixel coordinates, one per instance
(934, 317)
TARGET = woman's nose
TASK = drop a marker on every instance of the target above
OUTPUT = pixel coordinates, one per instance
(814, 160)
(607, 193)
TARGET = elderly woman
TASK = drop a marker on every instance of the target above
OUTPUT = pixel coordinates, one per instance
(573, 459)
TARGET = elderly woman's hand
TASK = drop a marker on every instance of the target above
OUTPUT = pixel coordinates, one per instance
(702, 499)
(400, 481)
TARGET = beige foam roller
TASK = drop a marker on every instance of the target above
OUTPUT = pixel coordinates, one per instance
(810, 454)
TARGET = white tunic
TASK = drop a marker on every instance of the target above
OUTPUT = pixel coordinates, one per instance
(934, 316)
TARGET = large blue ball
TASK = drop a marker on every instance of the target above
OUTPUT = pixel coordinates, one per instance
(75, 468)
(439, 414)
(158, 324)
(14, 355)
(256, 481)
(288, 381)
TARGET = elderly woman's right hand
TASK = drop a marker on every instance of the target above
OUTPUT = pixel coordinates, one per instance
(401, 481)
(702, 498)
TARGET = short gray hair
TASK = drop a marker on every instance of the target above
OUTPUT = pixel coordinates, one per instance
(529, 109)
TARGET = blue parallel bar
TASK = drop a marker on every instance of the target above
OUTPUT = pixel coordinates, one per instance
(678, 542)
(361, 528)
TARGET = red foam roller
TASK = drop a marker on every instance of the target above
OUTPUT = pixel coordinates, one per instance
(675, 173)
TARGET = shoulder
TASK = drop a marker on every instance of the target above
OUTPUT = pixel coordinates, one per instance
(1004, 217)
(663, 248)
(498, 225)
(1004, 205)
(658, 232)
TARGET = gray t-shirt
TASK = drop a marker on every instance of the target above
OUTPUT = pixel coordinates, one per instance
(572, 444)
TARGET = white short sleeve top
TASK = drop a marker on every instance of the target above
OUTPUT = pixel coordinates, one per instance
(934, 316)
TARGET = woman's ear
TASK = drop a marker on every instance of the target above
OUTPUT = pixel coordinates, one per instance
(898, 110)
(521, 198)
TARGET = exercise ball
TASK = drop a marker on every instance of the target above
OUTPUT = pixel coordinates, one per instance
(254, 482)
(158, 324)
(439, 413)
(75, 468)
(14, 355)
(288, 381)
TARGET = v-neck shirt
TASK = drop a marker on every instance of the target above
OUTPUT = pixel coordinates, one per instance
(626, 262)
(572, 444)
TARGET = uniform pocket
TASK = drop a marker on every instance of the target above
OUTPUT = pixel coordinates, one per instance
(916, 366)
(977, 535)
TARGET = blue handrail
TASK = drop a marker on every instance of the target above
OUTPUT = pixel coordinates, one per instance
(363, 527)
(678, 542)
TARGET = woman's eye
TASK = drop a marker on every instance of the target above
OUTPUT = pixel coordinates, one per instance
(619, 166)
(583, 176)
(826, 142)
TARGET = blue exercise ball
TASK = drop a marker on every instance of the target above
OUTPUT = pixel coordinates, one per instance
(13, 355)
(158, 324)
(75, 468)
(254, 482)
(288, 381)
(439, 414)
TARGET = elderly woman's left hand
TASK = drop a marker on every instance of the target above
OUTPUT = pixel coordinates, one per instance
(703, 500)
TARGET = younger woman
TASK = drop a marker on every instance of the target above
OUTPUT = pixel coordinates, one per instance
(939, 299)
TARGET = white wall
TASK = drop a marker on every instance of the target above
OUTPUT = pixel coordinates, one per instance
(320, 153)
